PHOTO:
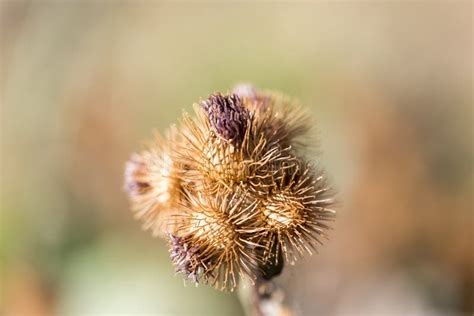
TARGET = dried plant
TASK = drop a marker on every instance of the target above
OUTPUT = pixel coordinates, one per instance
(231, 190)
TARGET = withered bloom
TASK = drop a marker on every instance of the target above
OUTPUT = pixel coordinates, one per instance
(231, 189)
(220, 229)
(227, 115)
(294, 213)
(152, 185)
(185, 258)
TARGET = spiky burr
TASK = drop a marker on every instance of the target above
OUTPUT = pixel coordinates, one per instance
(231, 188)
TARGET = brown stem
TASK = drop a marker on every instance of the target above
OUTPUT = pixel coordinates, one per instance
(264, 298)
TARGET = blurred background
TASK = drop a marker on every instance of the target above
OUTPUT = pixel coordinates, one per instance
(84, 83)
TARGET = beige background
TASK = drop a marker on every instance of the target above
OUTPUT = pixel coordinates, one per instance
(84, 83)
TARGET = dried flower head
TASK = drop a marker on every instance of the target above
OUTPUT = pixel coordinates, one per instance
(231, 188)
(295, 212)
(152, 185)
(220, 228)
(213, 163)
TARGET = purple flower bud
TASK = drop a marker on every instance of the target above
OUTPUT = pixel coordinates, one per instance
(184, 258)
(227, 116)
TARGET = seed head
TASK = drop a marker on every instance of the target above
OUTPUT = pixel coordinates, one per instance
(219, 228)
(152, 186)
(231, 188)
(295, 213)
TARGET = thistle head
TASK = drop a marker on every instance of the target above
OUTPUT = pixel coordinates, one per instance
(233, 188)
(296, 212)
(152, 186)
(218, 230)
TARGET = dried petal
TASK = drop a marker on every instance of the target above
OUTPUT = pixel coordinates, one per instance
(227, 116)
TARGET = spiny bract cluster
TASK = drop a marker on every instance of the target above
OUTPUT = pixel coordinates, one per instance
(230, 188)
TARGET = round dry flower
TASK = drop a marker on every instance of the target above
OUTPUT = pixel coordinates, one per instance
(152, 186)
(213, 162)
(231, 189)
(295, 213)
(217, 230)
